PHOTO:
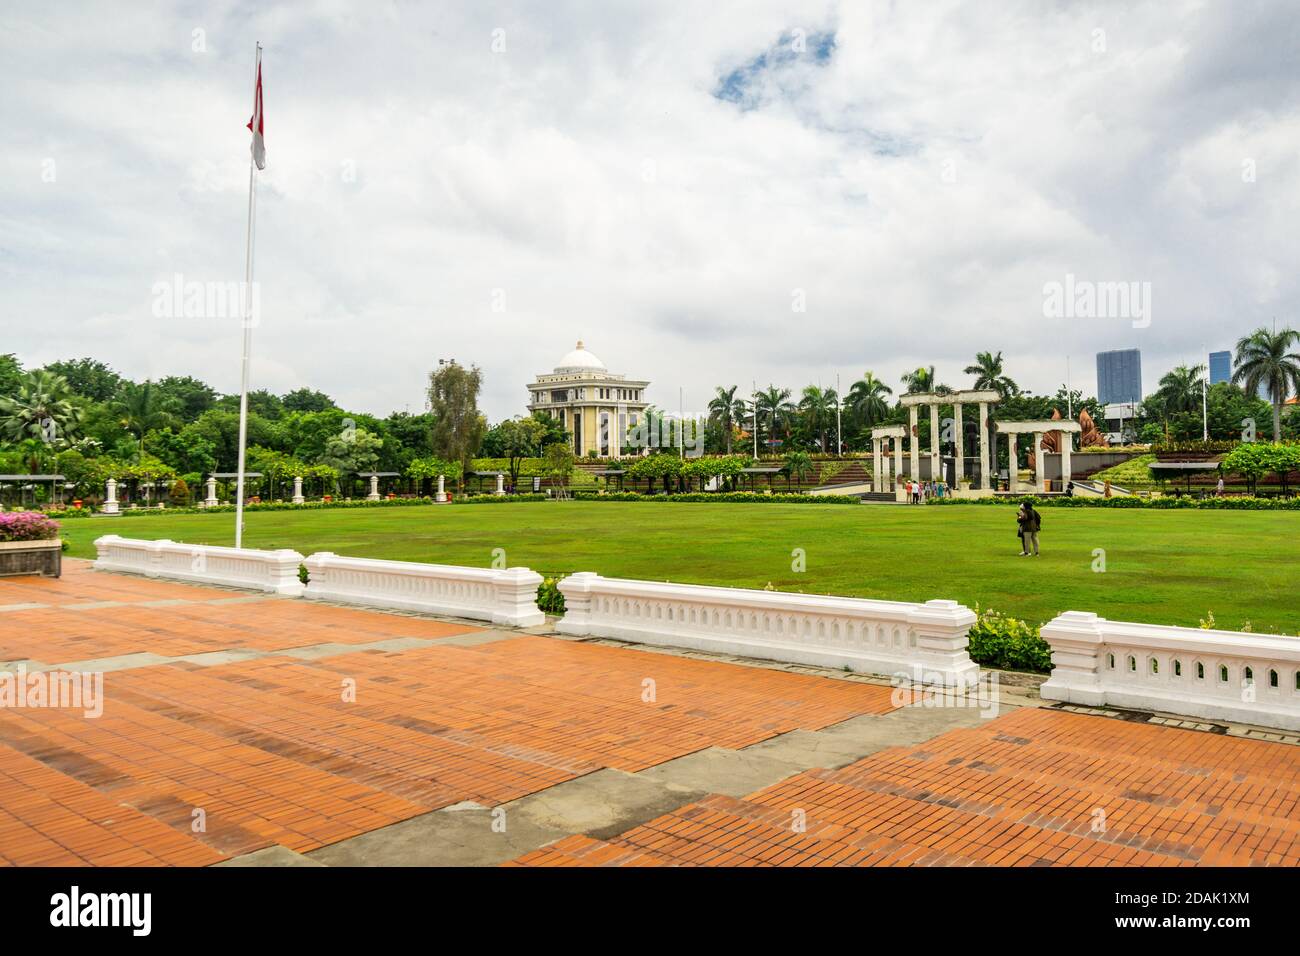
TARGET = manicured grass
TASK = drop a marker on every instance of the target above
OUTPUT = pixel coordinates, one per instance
(1168, 567)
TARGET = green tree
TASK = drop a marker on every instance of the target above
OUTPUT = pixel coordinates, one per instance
(817, 408)
(11, 373)
(727, 411)
(306, 400)
(560, 462)
(352, 452)
(923, 379)
(144, 407)
(1251, 460)
(989, 374)
(798, 465)
(774, 405)
(260, 402)
(866, 400)
(1264, 360)
(89, 378)
(458, 425)
(40, 408)
(1180, 389)
(520, 438)
(189, 397)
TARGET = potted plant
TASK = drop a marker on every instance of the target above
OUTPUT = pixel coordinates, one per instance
(29, 544)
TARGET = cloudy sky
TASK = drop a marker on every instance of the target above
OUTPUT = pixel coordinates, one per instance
(707, 194)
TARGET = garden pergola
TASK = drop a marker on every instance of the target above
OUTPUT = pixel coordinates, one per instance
(770, 470)
(57, 483)
(374, 477)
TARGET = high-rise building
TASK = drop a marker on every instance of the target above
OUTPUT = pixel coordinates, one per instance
(1220, 367)
(1119, 376)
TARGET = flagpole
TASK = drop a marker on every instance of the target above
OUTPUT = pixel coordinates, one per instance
(248, 336)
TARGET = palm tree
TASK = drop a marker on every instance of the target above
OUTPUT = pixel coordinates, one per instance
(727, 411)
(817, 406)
(988, 374)
(41, 408)
(924, 380)
(1180, 389)
(799, 465)
(774, 403)
(143, 408)
(866, 399)
(1263, 360)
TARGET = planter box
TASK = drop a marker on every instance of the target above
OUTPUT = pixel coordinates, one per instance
(31, 557)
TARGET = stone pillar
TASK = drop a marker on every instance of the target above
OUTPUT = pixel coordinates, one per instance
(1040, 464)
(297, 490)
(110, 498)
(913, 442)
(986, 478)
(876, 461)
(934, 442)
(501, 483)
(1013, 476)
(441, 496)
(959, 455)
(374, 489)
(1067, 447)
(211, 500)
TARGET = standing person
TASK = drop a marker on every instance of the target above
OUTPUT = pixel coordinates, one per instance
(916, 492)
(1030, 522)
(1218, 491)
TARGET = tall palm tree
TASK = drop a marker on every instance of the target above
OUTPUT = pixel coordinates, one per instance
(866, 399)
(924, 380)
(817, 406)
(142, 408)
(775, 404)
(727, 411)
(41, 408)
(989, 374)
(1263, 360)
(1180, 389)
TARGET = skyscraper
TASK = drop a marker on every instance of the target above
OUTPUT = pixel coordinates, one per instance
(1220, 367)
(1119, 376)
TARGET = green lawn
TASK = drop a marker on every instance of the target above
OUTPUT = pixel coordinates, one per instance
(1161, 566)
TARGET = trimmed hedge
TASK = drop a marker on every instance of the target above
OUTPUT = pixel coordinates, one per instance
(1008, 643)
(727, 497)
(1236, 503)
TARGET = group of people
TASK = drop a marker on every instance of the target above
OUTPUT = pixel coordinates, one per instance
(919, 492)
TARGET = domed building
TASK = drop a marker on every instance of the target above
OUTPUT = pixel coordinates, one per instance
(595, 405)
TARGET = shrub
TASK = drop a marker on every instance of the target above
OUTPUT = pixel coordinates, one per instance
(27, 526)
(549, 598)
(1008, 643)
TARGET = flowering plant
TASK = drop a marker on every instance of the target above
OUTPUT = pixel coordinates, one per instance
(27, 526)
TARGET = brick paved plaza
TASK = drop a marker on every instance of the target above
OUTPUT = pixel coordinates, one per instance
(309, 734)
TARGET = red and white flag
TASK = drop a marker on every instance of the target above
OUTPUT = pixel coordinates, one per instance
(255, 124)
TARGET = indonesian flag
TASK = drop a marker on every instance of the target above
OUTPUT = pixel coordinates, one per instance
(255, 124)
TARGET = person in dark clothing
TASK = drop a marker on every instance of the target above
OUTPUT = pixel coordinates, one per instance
(1029, 521)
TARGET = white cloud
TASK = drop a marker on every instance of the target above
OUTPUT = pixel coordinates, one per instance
(920, 187)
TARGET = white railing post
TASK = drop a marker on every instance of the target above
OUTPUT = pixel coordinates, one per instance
(942, 634)
(516, 598)
(576, 589)
(1075, 639)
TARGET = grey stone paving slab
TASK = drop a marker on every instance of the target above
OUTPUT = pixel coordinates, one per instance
(474, 640)
(119, 663)
(22, 607)
(447, 837)
(720, 770)
(603, 803)
(216, 658)
(270, 856)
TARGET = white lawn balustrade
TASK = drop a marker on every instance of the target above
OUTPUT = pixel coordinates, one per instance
(274, 571)
(1213, 675)
(927, 642)
(502, 596)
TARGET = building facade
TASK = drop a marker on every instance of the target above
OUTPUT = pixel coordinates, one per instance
(1220, 367)
(594, 404)
(1119, 376)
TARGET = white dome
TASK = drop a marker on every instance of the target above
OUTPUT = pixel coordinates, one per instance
(580, 360)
